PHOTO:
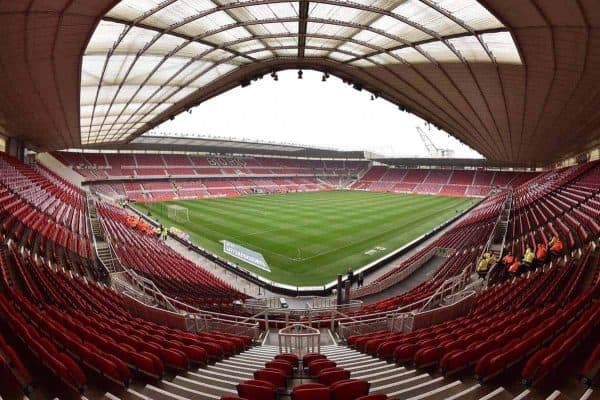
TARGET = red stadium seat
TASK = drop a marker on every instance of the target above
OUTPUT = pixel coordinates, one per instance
(310, 357)
(317, 365)
(273, 376)
(291, 358)
(311, 391)
(350, 389)
(332, 375)
(257, 390)
(282, 365)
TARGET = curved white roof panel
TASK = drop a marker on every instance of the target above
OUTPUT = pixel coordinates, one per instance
(146, 55)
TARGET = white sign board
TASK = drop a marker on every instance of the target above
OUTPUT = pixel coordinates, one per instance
(246, 255)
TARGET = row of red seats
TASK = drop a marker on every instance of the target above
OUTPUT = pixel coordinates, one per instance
(577, 323)
(446, 182)
(175, 275)
(590, 373)
(332, 382)
(62, 202)
(101, 160)
(556, 203)
(141, 190)
(13, 369)
(58, 362)
(491, 338)
(83, 324)
(102, 166)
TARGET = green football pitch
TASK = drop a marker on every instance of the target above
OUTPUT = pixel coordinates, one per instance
(308, 238)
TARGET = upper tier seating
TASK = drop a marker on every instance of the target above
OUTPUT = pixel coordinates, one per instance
(143, 190)
(226, 174)
(45, 213)
(96, 166)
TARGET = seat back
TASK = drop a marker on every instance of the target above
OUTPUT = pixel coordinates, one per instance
(256, 390)
(311, 391)
(273, 376)
(350, 389)
(331, 376)
(282, 365)
(289, 357)
(316, 366)
(310, 357)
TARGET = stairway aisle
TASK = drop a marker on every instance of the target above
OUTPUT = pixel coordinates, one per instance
(398, 382)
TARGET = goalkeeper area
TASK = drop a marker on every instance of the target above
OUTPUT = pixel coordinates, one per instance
(177, 213)
(308, 238)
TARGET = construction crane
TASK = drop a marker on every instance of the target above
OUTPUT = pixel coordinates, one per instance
(432, 149)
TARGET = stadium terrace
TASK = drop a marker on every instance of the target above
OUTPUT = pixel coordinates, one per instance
(142, 266)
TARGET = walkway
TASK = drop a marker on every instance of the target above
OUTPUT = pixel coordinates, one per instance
(415, 279)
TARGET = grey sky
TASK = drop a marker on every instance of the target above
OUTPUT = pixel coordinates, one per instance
(310, 112)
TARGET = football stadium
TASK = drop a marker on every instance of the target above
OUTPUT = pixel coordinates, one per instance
(306, 253)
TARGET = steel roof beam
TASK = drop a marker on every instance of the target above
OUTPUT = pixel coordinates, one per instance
(302, 24)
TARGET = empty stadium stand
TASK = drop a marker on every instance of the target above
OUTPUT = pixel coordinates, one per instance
(448, 182)
(59, 311)
(182, 176)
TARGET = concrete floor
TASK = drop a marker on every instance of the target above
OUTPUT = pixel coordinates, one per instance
(415, 279)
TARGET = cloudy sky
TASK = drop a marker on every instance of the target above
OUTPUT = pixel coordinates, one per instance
(334, 115)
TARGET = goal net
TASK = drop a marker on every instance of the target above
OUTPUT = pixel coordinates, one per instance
(178, 213)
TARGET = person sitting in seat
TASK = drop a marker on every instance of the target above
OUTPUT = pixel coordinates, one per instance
(556, 247)
(541, 254)
(508, 259)
(505, 263)
(528, 258)
(515, 268)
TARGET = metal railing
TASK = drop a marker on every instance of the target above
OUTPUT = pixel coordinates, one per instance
(449, 287)
(498, 238)
(454, 306)
(318, 306)
(389, 320)
(299, 339)
(108, 264)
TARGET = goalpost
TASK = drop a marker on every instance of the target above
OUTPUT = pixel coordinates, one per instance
(178, 213)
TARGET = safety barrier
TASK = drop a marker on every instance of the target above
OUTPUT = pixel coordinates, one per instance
(299, 339)
(459, 304)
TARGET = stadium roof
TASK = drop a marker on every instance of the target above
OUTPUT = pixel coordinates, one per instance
(225, 146)
(517, 80)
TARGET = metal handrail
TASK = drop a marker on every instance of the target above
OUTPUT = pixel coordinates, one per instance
(506, 211)
(89, 199)
(299, 339)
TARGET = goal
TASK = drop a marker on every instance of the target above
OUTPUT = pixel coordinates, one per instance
(178, 213)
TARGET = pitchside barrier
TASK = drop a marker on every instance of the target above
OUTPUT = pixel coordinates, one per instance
(323, 290)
